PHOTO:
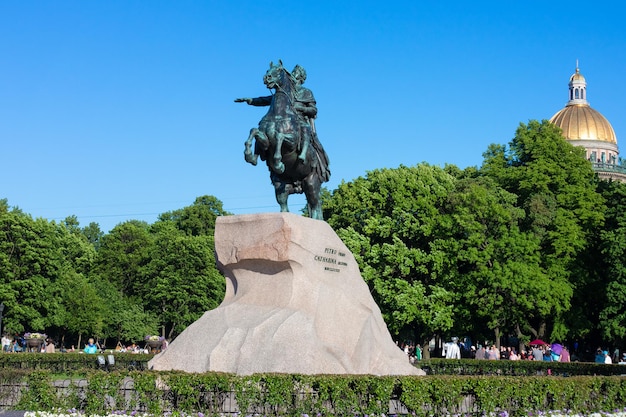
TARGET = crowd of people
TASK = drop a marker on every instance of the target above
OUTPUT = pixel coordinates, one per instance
(413, 351)
(456, 349)
(532, 353)
(19, 344)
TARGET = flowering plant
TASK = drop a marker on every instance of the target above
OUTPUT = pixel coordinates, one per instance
(34, 335)
(154, 338)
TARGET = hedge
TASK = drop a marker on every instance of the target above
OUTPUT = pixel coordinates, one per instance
(329, 395)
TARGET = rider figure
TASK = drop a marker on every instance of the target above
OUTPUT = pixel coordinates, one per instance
(307, 111)
(304, 105)
(306, 108)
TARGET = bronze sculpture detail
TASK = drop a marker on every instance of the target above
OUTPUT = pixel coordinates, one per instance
(286, 139)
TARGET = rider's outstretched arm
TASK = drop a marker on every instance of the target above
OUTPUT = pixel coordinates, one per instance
(258, 101)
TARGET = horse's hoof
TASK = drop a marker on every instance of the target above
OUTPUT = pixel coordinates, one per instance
(279, 168)
(251, 158)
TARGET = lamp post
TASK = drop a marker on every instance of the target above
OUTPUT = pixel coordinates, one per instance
(1, 311)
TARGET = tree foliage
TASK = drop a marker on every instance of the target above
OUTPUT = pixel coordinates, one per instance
(199, 218)
(41, 264)
(168, 269)
(138, 279)
(612, 250)
(497, 266)
(530, 244)
(389, 220)
(556, 187)
(123, 254)
(450, 250)
(181, 281)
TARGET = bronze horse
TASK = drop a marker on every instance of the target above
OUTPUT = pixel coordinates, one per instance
(279, 142)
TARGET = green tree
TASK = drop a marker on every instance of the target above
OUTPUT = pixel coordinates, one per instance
(125, 319)
(38, 260)
(72, 224)
(181, 279)
(167, 270)
(497, 267)
(612, 269)
(93, 234)
(556, 189)
(28, 267)
(389, 220)
(76, 249)
(122, 255)
(83, 310)
(199, 218)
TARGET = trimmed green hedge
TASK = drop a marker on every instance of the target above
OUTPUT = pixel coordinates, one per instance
(517, 368)
(69, 362)
(294, 395)
(70, 380)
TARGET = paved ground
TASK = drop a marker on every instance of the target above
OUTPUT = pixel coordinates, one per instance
(12, 413)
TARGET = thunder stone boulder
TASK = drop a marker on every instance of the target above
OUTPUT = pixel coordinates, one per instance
(295, 303)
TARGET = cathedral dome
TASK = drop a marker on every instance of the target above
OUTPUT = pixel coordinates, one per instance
(580, 122)
(585, 127)
(577, 76)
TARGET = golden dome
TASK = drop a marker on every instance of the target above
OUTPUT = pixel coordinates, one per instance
(578, 120)
(577, 76)
(581, 122)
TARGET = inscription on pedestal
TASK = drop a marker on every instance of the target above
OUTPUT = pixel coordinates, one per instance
(334, 258)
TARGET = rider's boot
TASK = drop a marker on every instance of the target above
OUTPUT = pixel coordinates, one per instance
(305, 149)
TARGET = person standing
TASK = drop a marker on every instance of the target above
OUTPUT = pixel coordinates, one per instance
(16, 346)
(481, 353)
(453, 351)
(493, 354)
(49, 346)
(90, 347)
(537, 353)
(6, 344)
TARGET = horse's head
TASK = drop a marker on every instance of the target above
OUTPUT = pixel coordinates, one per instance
(277, 76)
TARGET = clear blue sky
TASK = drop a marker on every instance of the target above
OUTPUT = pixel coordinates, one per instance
(117, 110)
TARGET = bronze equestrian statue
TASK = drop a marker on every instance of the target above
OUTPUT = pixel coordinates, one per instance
(286, 139)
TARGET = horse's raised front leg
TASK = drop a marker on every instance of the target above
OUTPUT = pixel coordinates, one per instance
(250, 156)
